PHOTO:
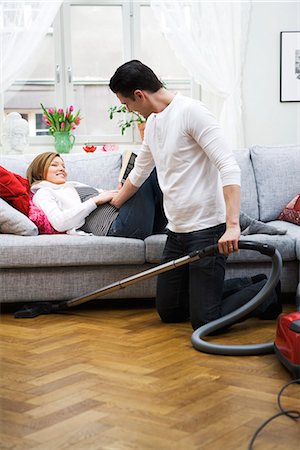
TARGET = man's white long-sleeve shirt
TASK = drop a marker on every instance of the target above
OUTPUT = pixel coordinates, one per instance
(193, 162)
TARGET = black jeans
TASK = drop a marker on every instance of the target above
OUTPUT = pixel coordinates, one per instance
(198, 290)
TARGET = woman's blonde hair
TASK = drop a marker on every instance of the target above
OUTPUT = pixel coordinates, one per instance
(38, 168)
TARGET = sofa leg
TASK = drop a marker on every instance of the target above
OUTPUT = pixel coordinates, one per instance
(298, 298)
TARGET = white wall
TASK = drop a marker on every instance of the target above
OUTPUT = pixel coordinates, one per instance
(266, 119)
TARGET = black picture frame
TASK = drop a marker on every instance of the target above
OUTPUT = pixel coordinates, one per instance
(290, 66)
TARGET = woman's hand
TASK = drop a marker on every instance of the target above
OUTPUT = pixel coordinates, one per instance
(104, 197)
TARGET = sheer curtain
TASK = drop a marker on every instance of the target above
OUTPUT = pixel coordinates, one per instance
(210, 38)
(22, 27)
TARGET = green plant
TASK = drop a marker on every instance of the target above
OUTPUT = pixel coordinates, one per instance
(128, 120)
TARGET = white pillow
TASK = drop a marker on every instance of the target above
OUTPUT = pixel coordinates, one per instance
(13, 221)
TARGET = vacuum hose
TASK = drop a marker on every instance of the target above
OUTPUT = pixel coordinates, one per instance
(234, 316)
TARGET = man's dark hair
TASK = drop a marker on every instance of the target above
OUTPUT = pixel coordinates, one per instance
(134, 75)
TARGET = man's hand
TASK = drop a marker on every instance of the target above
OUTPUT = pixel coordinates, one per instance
(124, 194)
(228, 243)
(104, 197)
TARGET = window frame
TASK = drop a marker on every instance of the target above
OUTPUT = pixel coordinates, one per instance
(63, 85)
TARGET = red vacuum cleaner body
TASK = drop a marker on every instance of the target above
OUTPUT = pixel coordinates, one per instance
(287, 342)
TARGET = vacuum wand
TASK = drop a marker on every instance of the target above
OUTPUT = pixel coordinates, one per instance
(30, 311)
(49, 307)
(194, 256)
(121, 284)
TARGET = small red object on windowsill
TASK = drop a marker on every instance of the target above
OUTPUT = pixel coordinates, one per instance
(89, 148)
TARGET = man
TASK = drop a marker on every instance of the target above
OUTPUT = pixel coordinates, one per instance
(200, 181)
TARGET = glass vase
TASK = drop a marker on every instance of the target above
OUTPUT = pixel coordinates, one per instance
(63, 141)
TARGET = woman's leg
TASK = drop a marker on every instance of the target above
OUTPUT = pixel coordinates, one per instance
(252, 226)
(136, 217)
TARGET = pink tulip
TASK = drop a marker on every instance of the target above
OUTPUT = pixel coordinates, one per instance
(67, 115)
(77, 120)
(44, 117)
(48, 123)
(62, 125)
(61, 111)
(71, 108)
(51, 111)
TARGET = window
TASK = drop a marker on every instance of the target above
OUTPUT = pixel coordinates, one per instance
(77, 57)
(96, 51)
(35, 84)
(39, 125)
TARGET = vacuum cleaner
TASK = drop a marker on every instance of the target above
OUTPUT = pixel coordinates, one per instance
(287, 341)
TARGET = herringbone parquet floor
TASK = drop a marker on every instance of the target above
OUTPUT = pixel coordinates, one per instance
(112, 377)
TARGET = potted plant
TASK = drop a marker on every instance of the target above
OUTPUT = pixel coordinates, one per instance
(61, 123)
(129, 120)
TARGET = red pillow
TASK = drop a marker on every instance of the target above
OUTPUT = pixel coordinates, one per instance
(15, 190)
(291, 213)
(40, 219)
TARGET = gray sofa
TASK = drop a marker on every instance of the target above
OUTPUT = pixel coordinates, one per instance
(59, 267)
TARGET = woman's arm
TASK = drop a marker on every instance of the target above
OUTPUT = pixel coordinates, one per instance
(63, 219)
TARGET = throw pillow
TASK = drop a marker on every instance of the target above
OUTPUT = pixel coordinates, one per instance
(291, 213)
(15, 190)
(40, 219)
(13, 221)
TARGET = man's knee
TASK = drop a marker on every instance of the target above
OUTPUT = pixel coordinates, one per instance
(172, 316)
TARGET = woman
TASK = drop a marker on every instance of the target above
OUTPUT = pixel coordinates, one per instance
(74, 207)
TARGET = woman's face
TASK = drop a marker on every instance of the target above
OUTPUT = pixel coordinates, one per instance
(56, 172)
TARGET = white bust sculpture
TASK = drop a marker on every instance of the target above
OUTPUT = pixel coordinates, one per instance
(15, 133)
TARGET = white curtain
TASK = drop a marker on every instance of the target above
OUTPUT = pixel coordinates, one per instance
(210, 38)
(23, 24)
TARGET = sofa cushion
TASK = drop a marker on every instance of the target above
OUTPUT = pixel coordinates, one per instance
(13, 221)
(293, 230)
(277, 175)
(65, 250)
(16, 163)
(284, 244)
(100, 170)
(154, 246)
(248, 185)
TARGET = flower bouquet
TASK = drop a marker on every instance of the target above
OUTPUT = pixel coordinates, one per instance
(60, 124)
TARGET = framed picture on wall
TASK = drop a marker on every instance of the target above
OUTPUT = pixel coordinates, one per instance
(290, 66)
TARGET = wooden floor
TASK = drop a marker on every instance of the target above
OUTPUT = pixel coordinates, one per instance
(113, 377)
